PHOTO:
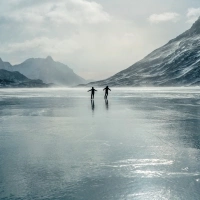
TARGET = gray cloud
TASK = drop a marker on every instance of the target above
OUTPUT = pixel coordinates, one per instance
(60, 11)
(193, 14)
(164, 17)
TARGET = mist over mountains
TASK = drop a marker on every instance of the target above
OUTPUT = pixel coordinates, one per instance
(47, 70)
(175, 64)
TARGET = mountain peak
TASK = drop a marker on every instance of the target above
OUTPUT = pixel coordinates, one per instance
(196, 27)
(47, 70)
(49, 58)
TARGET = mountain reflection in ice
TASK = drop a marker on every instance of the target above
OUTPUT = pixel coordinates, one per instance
(140, 144)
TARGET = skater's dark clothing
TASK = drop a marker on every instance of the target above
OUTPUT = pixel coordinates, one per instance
(92, 92)
(106, 91)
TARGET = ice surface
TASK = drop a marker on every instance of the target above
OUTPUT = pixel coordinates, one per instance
(141, 144)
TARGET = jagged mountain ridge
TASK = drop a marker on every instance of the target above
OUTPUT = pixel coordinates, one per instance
(175, 64)
(16, 79)
(48, 70)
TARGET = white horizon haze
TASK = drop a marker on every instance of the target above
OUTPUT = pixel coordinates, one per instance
(96, 38)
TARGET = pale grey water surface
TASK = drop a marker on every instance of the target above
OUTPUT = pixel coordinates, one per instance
(142, 144)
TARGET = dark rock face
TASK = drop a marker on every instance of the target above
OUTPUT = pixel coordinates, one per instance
(175, 64)
(47, 70)
(15, 79)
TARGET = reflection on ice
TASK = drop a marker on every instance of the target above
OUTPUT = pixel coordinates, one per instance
(139, 163)
(92, 105)
(106, 104)
(141, 143)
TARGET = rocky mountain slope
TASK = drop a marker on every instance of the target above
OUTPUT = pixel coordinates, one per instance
(48, 70)
(175, 64)
(15, 79)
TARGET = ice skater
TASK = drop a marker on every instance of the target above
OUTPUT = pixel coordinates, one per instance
(92, 92)
(106, 92)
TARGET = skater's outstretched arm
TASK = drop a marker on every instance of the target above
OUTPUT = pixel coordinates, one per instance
(95, 90)
(89, 90)
(104, 89)
(109, 89)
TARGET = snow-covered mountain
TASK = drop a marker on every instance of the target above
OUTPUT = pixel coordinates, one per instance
(48, 70)
(175, 64)
(15, 79)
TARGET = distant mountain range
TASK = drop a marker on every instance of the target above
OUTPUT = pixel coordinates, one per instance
(175, 64)
(47, 70)
(16, 79)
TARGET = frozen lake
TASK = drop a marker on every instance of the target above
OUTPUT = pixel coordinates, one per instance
(143, 144)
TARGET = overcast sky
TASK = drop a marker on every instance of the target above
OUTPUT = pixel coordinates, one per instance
(95, 38)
